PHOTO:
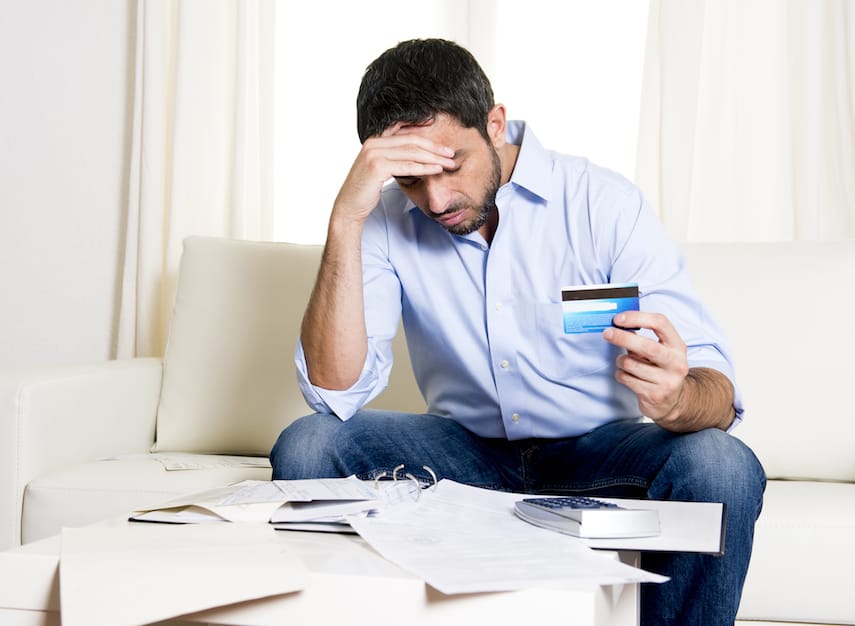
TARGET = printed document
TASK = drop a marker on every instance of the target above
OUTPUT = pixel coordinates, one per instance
(462, 539)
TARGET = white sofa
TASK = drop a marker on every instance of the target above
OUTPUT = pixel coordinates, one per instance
(81, 444)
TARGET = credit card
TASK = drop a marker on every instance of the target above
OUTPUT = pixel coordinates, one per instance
(591, 308)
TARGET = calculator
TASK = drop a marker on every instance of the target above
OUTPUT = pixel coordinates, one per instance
(581, 516)
(568, 505)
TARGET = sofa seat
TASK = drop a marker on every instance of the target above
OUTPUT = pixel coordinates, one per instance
(82, 493)
(805, 532)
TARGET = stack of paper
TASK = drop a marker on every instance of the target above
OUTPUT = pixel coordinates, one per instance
(258, 500)
(323, 503)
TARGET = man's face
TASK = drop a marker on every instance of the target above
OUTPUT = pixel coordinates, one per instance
(459, 199)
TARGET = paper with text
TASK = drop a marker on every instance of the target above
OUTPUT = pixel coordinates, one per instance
(462, 539)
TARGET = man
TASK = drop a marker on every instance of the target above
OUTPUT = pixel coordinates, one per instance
(471, 244)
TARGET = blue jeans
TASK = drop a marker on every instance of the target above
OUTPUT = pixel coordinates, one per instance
(620, 459)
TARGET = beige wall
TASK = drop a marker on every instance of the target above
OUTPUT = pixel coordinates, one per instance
(65, 111)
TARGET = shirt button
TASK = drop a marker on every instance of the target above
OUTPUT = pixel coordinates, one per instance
(515, 417)
(504, 364)
(498, 306)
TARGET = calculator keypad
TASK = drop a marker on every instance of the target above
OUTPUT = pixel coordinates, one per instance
(574, 502)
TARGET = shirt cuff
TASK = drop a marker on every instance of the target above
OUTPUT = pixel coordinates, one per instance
(345, 402)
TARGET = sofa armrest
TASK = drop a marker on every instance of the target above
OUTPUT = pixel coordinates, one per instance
(58, 417)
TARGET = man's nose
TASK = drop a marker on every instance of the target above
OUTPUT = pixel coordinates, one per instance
(438, 194)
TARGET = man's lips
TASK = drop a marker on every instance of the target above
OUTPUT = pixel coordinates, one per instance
(451, 219)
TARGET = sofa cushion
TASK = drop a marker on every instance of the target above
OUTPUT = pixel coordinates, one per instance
(90, 492)
(785, 308)
(229, 383)
(801, 565)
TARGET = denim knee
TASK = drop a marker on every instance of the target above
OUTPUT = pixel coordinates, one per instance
(713, 466)
(306, 449)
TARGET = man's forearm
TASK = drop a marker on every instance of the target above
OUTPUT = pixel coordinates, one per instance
(333, 332)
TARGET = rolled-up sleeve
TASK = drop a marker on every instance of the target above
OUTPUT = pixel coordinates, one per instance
(344, 403)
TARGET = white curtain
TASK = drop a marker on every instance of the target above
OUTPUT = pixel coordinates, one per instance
(747, 126)
(201, 161)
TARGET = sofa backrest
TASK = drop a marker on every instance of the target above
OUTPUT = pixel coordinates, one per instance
(786, 309)
(229, 385)
(228, 381)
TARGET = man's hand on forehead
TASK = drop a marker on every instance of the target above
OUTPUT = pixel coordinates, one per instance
(400, 151)
(428, 136)
(409, 153)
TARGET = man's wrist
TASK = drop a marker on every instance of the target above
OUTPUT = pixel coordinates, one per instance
(705, 401)
(343, 225)
(709, 396)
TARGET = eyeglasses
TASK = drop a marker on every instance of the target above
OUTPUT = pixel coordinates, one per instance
(416, 484)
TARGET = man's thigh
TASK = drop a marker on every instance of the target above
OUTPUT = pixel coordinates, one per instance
(628, 458)
(618, 459)
(373, 442)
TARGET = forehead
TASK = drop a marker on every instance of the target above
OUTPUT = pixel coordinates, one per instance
(443, 129)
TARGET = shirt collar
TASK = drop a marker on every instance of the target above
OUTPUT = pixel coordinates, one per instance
(533, 169)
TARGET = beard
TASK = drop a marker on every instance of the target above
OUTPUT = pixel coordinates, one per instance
(485, 206)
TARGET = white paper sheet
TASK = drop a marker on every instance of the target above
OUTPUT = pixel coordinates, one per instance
(181, 461)
(461, 539)
(139, 574)
(256, 500)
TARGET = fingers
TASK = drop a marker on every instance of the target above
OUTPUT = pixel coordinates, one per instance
(407, 155)
(411, 153)
(656, 322)
(654, 369)
(659, 353)
(648, 359)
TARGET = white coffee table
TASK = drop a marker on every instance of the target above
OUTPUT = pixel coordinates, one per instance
(349, 583)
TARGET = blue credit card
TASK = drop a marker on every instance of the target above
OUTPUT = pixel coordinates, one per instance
(591, 308)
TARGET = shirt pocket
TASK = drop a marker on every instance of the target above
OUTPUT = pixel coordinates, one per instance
(561, 356)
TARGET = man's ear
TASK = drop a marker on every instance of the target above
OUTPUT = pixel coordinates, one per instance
(496, 122)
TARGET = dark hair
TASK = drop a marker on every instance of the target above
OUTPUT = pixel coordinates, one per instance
(418, 79)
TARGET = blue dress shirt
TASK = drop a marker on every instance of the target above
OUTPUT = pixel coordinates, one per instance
(484, 322)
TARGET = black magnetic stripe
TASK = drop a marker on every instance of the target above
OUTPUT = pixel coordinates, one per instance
(600, 294)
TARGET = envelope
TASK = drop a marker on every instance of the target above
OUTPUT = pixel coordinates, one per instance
(144, 573)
